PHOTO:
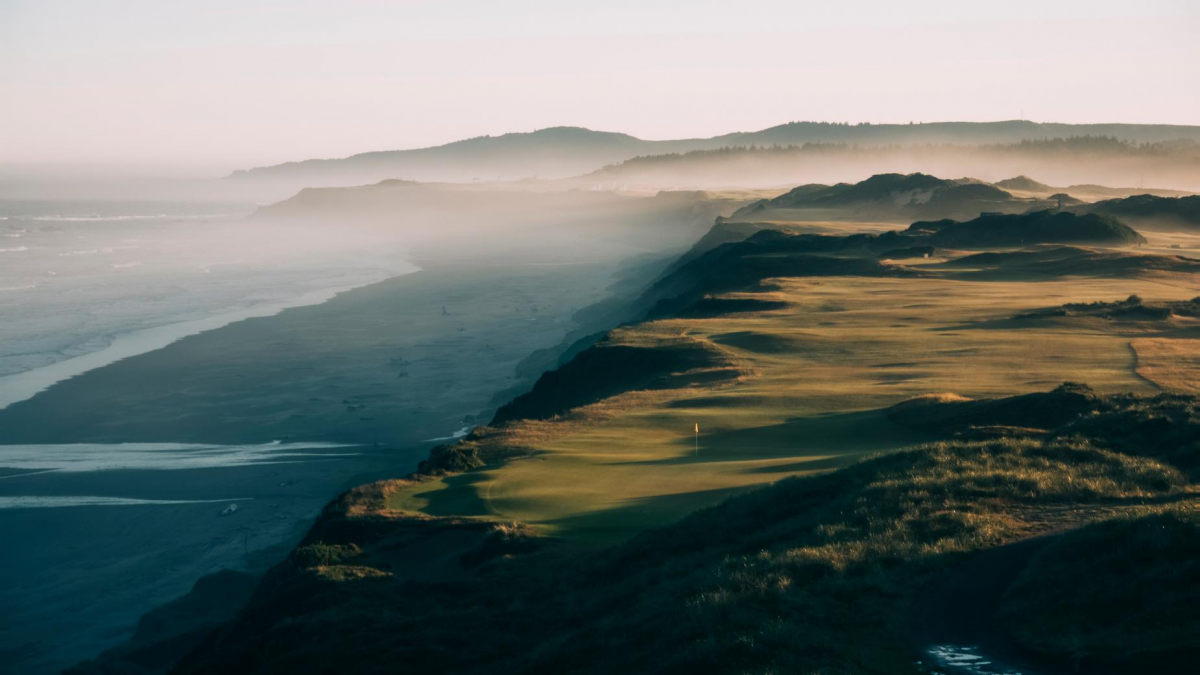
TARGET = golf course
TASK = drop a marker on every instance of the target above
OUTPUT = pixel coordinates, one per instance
(851, 444)
(804, 389)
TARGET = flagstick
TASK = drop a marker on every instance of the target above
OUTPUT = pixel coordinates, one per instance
(697, 451)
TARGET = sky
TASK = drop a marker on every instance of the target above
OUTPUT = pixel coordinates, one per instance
(253, 82)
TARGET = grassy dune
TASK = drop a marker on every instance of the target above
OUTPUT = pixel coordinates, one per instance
(1065, 606)
(854, 450)
(810, 575)
(815, 375)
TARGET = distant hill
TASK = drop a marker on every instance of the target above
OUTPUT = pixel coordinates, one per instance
(548, 153)
(1082, 162)
(1041, 227)
(969, 133)
(559, 152)
(740, 265)
(1078, 193)
(921, 196)
(1023, 183)
(1149, 210)
(1075, 261)
(1064, 200)
(897, 195)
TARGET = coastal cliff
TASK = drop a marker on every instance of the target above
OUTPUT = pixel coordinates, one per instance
(507, 550)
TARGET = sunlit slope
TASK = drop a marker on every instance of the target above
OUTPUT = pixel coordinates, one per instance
(813, 378)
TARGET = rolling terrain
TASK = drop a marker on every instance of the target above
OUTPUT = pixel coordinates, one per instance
(564, 152)
(1087, 164)
(1152, 211)
(813, 432)
(899, 197)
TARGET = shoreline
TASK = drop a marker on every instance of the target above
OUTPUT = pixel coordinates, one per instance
(350, 370)
(149, 535)
(379, 369)
(27, 384)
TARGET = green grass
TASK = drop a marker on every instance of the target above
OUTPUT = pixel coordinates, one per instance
(818, 373)
(595, 532)
(810, 575)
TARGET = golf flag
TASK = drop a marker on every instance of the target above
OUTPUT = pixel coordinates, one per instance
(697, 427)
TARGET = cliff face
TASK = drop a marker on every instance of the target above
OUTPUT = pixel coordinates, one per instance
(610, 368)
(822, 573)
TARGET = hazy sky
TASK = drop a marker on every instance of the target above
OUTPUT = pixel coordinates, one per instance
(251, 82)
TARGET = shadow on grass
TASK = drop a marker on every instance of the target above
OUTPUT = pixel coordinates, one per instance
(761, 343)
(738, 401)
(460, 497)
(830, 440)
(635, 515)
(819, 464)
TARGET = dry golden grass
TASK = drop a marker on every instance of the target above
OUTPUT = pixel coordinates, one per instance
(1171, 363)
(815, 375)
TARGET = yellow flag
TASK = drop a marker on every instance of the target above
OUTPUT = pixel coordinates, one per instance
(697, 427)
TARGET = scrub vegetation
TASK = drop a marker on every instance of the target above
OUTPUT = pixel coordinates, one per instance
(772, 468)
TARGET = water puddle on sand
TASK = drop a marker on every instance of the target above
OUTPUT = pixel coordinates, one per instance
(966, 660)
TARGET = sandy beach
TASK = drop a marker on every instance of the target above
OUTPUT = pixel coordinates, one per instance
(80, 577)
(396, 362)
(382, 370)
(25, 385)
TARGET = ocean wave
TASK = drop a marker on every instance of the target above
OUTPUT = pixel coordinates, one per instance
(17, 288)
(84, 457)
(58, 501)
(59, 218)
(63, 218)
(453, 437)
(95, 251)
(207, 267)
(125, 266)
(14, 250)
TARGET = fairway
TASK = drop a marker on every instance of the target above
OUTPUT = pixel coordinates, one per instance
(818, 375)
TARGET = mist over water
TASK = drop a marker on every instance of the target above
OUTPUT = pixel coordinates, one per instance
(359, 385)
(328, 303)
(85, 283)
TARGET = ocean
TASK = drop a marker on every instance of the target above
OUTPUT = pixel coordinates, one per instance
(104, 526)
(85, 283)
(99, 533)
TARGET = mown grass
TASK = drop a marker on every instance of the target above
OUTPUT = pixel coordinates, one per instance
(1173, 363)
(766, 543)
(812, 373)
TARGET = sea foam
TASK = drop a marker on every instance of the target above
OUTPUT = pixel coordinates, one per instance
(82, 457)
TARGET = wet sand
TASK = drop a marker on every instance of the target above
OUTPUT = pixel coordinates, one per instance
(76, 579)
(381, 368)
(397, 362)
(25, 385)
